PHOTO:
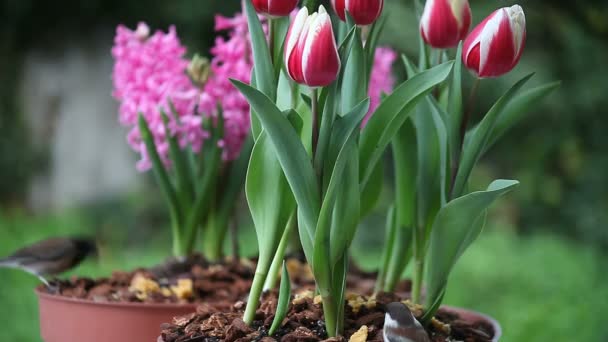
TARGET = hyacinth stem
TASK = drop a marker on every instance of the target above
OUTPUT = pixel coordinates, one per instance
(277, 262)
(214, 234)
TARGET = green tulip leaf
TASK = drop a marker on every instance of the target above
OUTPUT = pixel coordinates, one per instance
(264, 71)
(371, 191)
(392, 113)
(372, 42)
(457, 225)
(346, 208)
(455, 106)
(343, 128)
(268, 195)
(479, 138)
(404, 148)
(283, 302)
(353, 79)
(292, 155)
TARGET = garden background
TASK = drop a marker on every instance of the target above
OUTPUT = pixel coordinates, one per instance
(65, 167)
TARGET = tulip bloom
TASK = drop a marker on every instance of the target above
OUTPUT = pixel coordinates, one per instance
(445, 23)
(364, 12)
(311, 55)
(275, 8)
(495, 46)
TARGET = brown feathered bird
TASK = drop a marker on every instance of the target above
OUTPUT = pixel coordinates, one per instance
(50, 257)
(400, 325)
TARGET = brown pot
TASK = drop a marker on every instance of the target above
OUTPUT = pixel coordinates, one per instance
(64, 319)
(472, 316)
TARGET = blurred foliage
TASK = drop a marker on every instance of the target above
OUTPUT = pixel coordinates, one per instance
(26, 24)
(560, 152)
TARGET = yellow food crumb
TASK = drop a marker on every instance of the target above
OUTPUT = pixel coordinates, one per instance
(360, 335)
(317, 300)
(437, 324)
(299, 269)
(183, 289)
(357, 301)
(142, 286)
(301, 297)
(416, 309)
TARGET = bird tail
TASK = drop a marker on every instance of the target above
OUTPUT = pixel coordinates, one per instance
(7, 263)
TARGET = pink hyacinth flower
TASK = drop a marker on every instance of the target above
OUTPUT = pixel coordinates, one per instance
(382, 79)
(150, 74)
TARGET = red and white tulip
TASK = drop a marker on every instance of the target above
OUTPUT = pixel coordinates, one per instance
(275, 8)
(495, 46)
(445, 23)
(311, 55)
(364, 12)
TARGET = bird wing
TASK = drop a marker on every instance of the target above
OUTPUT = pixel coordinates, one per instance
(401, 334)
(46, 250)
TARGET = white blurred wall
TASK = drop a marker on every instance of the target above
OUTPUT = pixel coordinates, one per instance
(66, 97)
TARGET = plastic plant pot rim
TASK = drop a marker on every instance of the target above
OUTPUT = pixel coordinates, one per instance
(470, 315)
(44, 295)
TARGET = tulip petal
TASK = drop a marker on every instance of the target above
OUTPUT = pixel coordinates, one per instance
(444, 23)
(364, 12)
(296, 29)
(311, 55)
(339, 8)
(495, 46)
(320, 60)
(497, 49)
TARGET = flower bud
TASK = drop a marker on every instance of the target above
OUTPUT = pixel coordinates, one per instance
(142, 32)
(445, 23)
(364, 12)
(495, 46)
(275, 8)
(311, 55)
(199, 70)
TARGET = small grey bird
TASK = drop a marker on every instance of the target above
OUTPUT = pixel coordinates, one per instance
(400, 325)
(50, 257)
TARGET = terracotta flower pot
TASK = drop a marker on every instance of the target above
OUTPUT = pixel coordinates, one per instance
(65, 319)
(472, 317)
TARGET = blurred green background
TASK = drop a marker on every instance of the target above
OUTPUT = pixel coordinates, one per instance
(539, 268)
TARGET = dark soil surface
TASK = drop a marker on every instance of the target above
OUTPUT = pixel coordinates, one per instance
(304, 322)
(190, 281)
(193, 281)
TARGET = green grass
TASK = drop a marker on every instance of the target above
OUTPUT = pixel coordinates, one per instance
(540, 288)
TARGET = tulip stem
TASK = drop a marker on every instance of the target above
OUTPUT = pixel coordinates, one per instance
(271, 34)
(315, 118)
(463, 128)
